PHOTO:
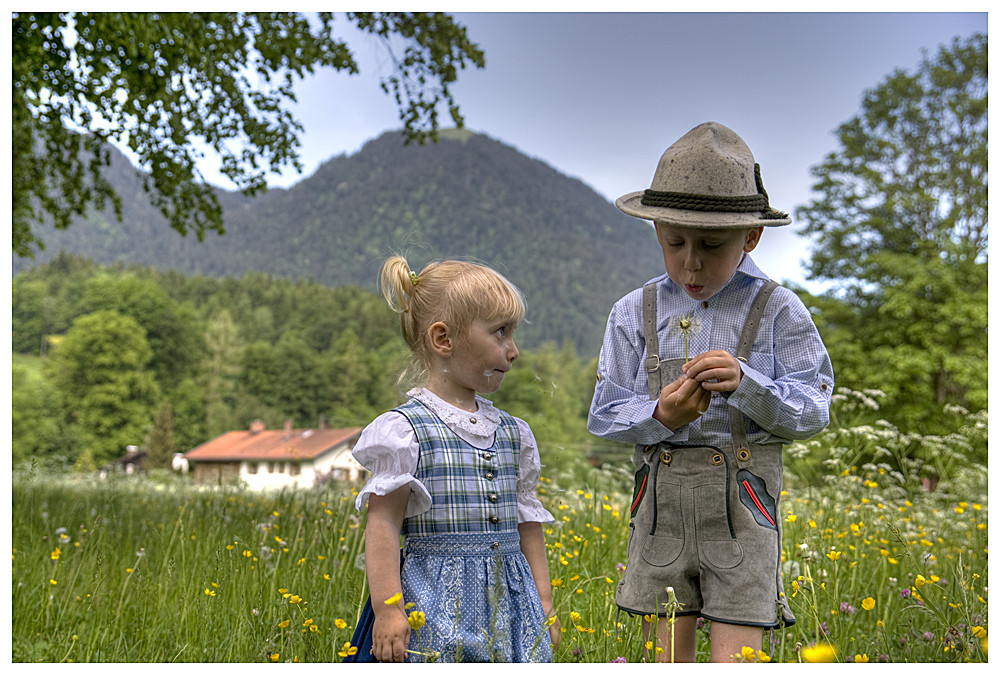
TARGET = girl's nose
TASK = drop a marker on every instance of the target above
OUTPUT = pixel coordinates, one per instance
(512, 353)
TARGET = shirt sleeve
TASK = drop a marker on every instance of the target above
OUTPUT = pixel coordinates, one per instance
(794, 403)
(388, 448)
(529, 508)
(617, 412)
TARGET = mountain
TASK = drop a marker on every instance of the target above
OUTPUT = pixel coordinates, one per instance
(468, 196)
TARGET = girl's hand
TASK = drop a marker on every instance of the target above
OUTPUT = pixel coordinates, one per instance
(716, 370)
(390, 636)
(683, 400)
(555, 631)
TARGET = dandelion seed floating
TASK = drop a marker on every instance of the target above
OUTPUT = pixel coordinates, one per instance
(687, 325)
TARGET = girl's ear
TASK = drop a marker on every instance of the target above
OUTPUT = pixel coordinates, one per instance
(440, 338)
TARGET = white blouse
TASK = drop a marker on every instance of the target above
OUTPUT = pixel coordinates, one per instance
(388, 447)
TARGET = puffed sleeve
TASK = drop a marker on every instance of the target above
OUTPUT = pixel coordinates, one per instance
(388, 448)
(529, 509)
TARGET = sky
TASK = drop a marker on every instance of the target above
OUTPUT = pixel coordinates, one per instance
(599, 96)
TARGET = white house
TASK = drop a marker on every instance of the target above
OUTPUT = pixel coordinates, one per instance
(273, 459)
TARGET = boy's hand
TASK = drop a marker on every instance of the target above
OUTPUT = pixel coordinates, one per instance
(683, 400)
(716, 370)
(390, 636)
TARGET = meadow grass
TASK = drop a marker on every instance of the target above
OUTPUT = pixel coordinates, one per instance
(147, 570)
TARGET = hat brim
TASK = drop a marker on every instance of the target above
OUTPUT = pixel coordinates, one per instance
(727, 220)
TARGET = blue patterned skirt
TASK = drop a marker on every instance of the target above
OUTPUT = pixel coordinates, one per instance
(479, 599)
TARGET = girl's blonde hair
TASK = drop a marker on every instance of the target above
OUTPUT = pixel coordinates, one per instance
(452, 291)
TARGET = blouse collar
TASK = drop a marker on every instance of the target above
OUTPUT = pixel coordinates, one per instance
(483, 422)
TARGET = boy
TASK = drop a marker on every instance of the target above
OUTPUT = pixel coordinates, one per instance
(709, 430)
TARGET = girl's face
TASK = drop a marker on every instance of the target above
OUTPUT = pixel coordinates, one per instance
(477, 362)
(702, 261)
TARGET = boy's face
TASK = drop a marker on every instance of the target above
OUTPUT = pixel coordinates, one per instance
(701, 261)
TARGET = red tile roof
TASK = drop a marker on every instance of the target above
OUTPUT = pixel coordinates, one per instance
(272, 444)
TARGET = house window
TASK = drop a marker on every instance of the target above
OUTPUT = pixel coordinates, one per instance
(294, 469)
(252, 468)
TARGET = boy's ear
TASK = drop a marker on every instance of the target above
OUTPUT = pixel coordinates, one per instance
(753, 238)
(440, 338)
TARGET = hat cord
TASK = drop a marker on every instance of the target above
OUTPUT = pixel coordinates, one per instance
(712, 203)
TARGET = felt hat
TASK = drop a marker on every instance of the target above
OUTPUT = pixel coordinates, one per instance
(707, 179)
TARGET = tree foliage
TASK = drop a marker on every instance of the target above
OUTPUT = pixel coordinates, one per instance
(100, 370)
(160, 83)
(902, 223)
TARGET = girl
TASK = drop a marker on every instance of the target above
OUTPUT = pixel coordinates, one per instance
(456, 476)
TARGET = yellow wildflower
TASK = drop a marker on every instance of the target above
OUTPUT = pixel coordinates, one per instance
(209, 592)
(749, 653)
(861, 658)
(868, 603)
(275, 656)
(394, 600)
(284, 624)
(55, 554)
(294, 600)
(820, 652)
(347, 650)
(340, 623)
(575, 617)
(416, 620)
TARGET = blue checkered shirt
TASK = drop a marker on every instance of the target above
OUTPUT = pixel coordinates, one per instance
(785, 390)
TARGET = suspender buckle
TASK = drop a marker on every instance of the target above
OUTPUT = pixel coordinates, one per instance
(652, 363)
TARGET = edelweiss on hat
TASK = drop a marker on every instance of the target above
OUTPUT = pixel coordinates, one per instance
(707, 179)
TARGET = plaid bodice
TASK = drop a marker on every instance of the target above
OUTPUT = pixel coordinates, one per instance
(472, 490)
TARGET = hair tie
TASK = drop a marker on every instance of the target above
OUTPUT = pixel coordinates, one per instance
(413, 278)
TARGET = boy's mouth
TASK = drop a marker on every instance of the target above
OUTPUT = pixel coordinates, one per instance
(694, 288)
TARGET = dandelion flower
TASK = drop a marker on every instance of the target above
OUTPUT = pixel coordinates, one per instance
(394, 600)
(687, 325)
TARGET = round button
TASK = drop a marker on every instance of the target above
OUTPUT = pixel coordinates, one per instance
(717, 459)
(472, 420)
(495, 544)
(743, 454)
(494, 520)
(489, 475)
(493, 497)
(487, 456)
(705, 304)
(666, 458)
